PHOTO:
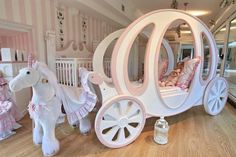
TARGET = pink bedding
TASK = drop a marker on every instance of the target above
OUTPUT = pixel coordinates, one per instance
(182, 75)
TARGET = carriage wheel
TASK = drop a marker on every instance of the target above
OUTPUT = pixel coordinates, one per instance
(216, 95)
(120, 121)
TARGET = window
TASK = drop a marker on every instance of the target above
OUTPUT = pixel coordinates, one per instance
(230, 62)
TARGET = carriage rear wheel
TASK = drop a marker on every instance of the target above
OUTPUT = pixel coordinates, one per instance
(215, 96)
(120, 121)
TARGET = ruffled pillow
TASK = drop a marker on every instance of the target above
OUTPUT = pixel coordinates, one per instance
(187, 73)
(171, 79)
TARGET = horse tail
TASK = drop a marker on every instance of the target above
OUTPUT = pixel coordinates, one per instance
(78, 106)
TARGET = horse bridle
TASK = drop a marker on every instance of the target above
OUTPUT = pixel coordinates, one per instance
(44, 81)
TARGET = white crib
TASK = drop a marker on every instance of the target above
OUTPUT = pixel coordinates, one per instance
(67, 69)
(69, 60)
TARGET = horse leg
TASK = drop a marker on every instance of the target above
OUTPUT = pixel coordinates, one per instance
(85, 125)
(37, 133)
(50, 145)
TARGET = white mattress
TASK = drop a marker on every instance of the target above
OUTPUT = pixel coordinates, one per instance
(172, 91)
(166, 91)
(172, 96)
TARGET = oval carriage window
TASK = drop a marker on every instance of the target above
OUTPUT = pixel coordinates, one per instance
(137, 55)
(206, 65)
(180, 39)
(107, 59)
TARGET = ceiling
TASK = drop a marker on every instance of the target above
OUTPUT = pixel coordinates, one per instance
(211, 6)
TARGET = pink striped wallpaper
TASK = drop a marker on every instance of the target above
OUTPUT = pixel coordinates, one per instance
(97, 29)
(41, 15)
(19, 41)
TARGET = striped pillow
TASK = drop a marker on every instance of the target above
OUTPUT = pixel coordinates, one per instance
(187, 73)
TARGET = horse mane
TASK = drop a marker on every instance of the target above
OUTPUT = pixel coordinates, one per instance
(52, 79)
(43, 68)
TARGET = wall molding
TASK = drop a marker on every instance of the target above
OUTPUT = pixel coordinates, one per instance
(15, 26)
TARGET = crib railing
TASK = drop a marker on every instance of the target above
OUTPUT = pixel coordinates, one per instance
(67, 69)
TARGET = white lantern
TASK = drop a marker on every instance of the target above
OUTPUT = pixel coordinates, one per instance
(161, 131)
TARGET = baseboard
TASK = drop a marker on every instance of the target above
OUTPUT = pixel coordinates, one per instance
(23, 113)
(232, 100)
(233, 103)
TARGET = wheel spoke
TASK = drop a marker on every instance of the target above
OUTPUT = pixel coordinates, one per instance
(123, 105)
(113, 111)
(217, 85)
(121, 135)
(212, 105)
(214, 88)
(213, 92)
(223, 95)
(111, 133)
(131, 129)
(136, 119)
(224, 90)
(107, 124)
(132, 110)
(218, 104)
(211, 99)
(221, 85)
(222, 102)
(108, 117)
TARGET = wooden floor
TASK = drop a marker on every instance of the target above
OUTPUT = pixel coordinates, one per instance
(192, 133)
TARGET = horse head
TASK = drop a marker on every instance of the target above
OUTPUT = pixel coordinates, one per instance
(39, 77)
(27, 77)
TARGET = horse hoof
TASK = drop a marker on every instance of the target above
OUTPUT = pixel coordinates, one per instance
(50, 147)
(38, 144)
(85, 126)
(86, 133)
(52, 154)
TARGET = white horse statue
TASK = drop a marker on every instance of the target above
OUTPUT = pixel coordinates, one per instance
(47, 99)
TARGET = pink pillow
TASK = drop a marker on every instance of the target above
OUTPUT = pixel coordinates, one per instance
(187, 73)
(162, 68)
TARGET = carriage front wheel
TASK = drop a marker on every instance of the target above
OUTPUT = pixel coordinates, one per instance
(120, 121)
(216, 95)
